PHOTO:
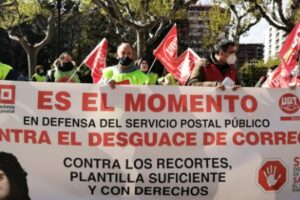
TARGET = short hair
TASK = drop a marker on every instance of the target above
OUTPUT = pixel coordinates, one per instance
(124, 44)
(222, 45)
(16, 175)
(62, 55)
(38, 67)
(149, 60)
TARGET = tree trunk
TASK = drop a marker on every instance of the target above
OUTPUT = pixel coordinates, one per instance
(140, 43)
(236, 37)
(32, 61)
(32, 50)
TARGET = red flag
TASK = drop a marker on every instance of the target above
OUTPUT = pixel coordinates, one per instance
(166, 52)
(185, 63)
(290, 49)
(96, 60)
(273, 78)
(278, 78)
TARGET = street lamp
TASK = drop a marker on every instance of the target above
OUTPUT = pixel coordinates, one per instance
(58, 7)
(62, 6)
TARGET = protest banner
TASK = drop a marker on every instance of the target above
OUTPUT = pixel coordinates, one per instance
(151, 142)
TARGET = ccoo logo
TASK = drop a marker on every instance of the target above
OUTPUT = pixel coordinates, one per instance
(7, 94)
(289, 103)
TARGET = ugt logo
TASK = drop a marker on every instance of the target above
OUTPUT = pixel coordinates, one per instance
(7, 94)
(289, 103)
(272, 175)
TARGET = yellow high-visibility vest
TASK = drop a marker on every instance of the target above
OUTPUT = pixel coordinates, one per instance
(4, 70)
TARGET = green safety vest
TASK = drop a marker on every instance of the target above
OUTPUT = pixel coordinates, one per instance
(152, 78)
(38, 77)
(60, 76)
(170, 78)
(4, 70)
(136, 77)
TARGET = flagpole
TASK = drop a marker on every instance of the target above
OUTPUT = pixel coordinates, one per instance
(78, 68)
(151, 66)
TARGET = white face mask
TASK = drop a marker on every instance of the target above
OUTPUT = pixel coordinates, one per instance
(231, 59)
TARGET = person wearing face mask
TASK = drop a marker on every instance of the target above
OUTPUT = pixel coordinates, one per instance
(64, 70)
(125, 70)
(39, 75)
(219, 66)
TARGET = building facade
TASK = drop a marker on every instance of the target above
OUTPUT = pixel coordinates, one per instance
(249, 53)
(197, 26)
(274, 39)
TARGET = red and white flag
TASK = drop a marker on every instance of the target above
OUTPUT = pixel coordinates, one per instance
(166, 52)
(185, 63)
(288, 54)
(274, 78)
(279, 78)
(96, 60)
(289, 51)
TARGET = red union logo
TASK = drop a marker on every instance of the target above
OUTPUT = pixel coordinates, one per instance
(7, 94)
(272, 175)
(289, 103)
(171, 47)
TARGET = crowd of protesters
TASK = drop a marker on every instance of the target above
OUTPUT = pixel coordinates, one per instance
(217, 70)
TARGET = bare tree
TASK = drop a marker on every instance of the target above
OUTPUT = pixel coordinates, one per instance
(15, 32)
(32, 50)
(276, 14)
(243, 16)
(141, 16)
(242, 19)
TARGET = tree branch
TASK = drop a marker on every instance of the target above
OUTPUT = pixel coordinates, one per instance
(21, 40)
(269, 19)
(13, 37)
(241, 32)
(4, 4)
(158, 32)
(49, 33)
(280, 12)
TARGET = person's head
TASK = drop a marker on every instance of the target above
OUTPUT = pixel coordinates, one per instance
(65, 57)
(65, 61)
(225, 51)
(13, 183)
(125, 54)
(39, 69)
(4, 185)
(144, 64)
